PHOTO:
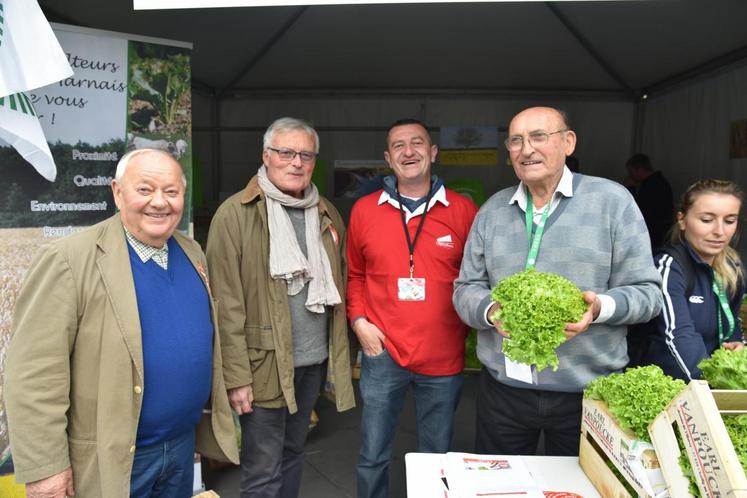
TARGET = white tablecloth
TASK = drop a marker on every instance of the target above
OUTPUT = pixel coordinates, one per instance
(552, 473)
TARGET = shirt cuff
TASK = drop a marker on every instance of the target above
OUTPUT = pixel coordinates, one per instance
(607, 308)
(485, 313)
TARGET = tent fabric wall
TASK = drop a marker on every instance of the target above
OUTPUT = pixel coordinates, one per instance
(686, 131)
(353, 127)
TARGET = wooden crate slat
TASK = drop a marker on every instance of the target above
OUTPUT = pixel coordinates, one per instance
(594, 465)
(600, 425)
(696, 414)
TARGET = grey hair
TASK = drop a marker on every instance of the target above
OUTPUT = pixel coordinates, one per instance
(125, 160)
(284, 125)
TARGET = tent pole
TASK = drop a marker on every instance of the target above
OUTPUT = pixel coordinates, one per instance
(705, 69)
(587, 45)
(264, 50)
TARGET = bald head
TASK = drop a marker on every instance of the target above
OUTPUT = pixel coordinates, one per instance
(538, 141)
(127, 158)
(549, 115)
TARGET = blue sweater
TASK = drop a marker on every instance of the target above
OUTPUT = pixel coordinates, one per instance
(598, 240)
(687, 328)
(177, 334)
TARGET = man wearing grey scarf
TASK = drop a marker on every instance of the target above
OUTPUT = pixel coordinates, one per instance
(276, 254)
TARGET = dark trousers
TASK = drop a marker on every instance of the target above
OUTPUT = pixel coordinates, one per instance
(272, 441)
(510, 420)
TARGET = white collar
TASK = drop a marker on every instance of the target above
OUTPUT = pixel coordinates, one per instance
(565, 188)
(439, 196)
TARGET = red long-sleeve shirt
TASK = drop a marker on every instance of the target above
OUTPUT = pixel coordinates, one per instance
(426, 337)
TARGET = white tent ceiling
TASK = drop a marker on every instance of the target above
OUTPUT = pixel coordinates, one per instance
(620, 48)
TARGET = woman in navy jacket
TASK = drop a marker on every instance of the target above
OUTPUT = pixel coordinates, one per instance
(692, 326)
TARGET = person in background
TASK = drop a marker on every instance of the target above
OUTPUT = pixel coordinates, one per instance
(277, 254)
(693, 325)
(653, 194)
(114, 349)
(404, 248)
(584, 228)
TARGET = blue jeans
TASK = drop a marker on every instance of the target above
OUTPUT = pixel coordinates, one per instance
(383, 387)
(272, 440)
(164, 470)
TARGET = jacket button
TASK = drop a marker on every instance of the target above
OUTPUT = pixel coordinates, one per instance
(138, 389)
(132, 449)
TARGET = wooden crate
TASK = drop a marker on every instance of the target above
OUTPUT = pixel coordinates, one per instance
(603, 440)
(695, 414)
(593, 462)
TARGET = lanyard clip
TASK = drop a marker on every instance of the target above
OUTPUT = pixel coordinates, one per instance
(412, 270)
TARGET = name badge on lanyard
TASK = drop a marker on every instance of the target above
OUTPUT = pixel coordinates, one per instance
(411, 288)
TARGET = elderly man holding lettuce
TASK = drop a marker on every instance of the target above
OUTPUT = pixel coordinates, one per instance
(590, 231)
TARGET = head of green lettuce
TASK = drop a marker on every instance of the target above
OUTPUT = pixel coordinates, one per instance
(535, 308)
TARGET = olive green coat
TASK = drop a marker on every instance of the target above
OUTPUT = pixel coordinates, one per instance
(74, 373)
(253, 307)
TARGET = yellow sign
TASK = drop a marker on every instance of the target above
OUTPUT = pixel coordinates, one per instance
(9, 488)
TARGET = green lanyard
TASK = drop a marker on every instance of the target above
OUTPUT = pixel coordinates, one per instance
(724, 302)
(534, 241)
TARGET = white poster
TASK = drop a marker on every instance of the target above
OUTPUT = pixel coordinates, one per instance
(90, 106)
(126, 92)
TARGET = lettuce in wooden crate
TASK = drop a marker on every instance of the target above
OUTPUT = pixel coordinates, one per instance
(726, 369)
(635, 397)
(736, 426)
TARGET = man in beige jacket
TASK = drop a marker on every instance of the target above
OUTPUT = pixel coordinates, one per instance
(115, 357)
(277, 253)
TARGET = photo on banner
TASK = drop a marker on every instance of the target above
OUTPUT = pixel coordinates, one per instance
(126, 92)
(355, 178)
(468, 146)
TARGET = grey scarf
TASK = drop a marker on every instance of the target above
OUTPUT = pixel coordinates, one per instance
(287, 261)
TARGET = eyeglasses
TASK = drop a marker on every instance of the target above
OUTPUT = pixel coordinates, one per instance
(290, 154)
(536, 139)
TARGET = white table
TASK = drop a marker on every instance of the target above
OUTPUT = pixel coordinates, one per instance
(552, 473)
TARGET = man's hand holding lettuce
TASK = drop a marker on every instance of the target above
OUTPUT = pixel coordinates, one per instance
(539, 311)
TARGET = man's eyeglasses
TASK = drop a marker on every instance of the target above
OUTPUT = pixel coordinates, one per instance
(536, 139)
(289, 154)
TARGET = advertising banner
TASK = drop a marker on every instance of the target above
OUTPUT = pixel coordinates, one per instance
(127, 92)
(468, 146)
(355, 178)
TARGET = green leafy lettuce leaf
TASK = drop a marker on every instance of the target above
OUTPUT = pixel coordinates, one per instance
(535, 307)
(736, 426)
(635, 397)
(726, 369)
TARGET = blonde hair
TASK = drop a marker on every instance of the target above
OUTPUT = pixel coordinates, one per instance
(727, 264)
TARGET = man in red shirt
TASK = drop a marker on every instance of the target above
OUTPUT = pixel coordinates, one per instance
(405, 246)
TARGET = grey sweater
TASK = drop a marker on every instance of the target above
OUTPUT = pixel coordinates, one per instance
(310, 345)
(598, 240)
